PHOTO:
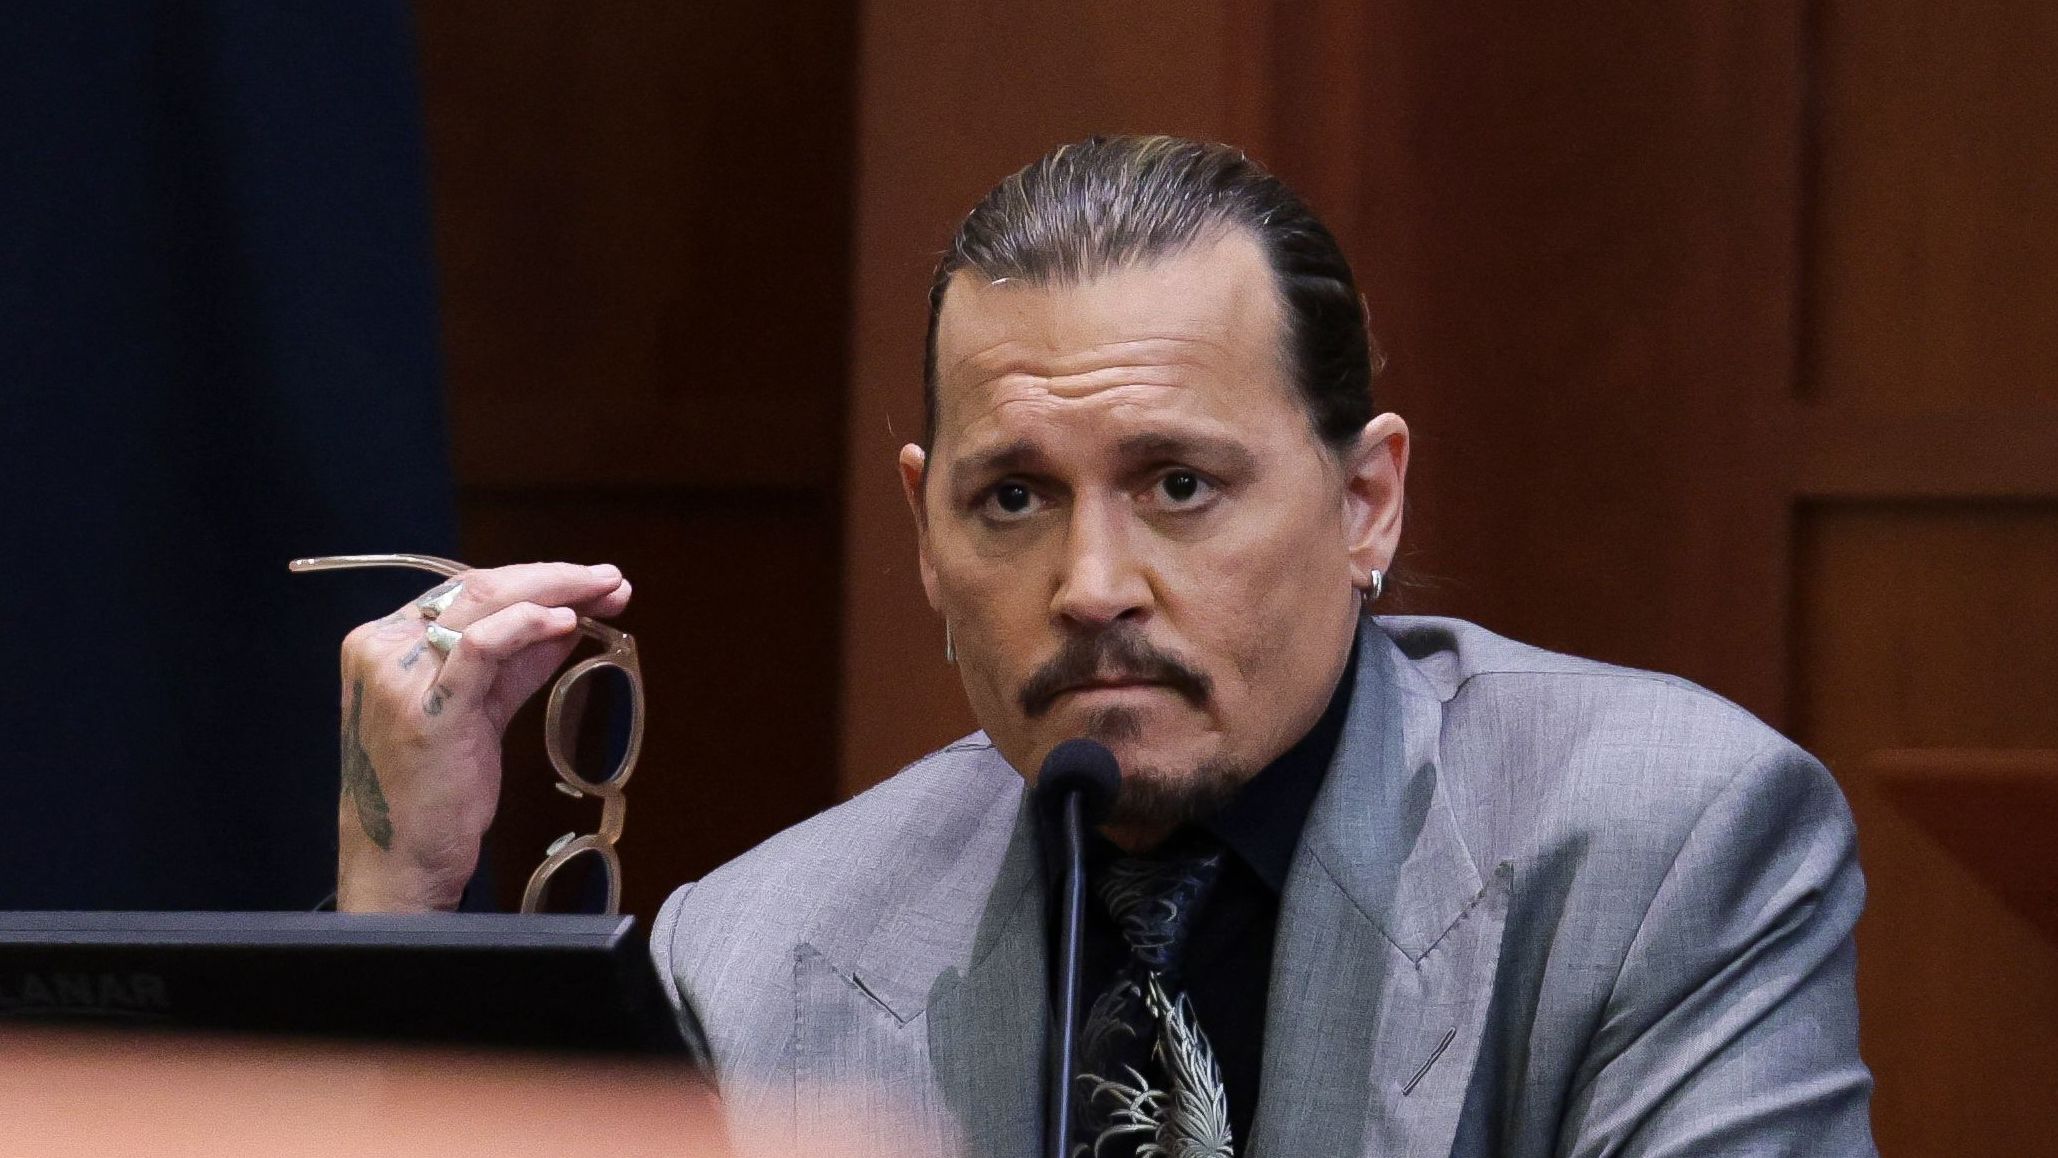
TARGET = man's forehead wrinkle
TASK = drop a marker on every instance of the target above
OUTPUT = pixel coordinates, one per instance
(1015, 428)
(1023, 402)
(1012, 355)
(1099, 381)
(1187, 336)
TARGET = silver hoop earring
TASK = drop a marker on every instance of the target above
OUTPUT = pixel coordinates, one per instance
(950, 646)
(1375, 588)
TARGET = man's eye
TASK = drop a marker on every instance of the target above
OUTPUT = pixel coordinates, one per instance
(1182, 486)
(1010, 499)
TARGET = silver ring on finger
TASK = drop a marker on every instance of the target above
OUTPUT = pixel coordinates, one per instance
(438, 599)
(442, 638)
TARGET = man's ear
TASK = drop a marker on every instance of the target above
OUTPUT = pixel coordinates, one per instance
(1375, 489)
(914, 467)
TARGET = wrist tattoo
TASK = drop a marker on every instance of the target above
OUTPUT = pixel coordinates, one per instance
(360, 779)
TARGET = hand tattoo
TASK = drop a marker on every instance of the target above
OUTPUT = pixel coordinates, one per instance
(398, 625)
(360, 779)
(432, 704)
(413, 656)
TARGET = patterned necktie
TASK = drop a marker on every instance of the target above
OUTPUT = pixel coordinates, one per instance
(1149, 1080)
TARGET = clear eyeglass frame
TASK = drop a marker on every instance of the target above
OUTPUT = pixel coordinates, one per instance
(618, 652)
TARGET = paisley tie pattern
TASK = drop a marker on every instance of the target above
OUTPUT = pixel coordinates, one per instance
(1150, 1085)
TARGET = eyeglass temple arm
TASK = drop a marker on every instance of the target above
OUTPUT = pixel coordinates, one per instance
(434, 564)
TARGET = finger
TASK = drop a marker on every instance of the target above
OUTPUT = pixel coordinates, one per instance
(545, 584)
(475, 663)
(526, 674)
(370, 646)
(609, 605)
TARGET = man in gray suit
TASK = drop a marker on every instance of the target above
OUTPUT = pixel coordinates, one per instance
(1375, 886)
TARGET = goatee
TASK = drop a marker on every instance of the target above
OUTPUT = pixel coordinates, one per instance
(1158, 799)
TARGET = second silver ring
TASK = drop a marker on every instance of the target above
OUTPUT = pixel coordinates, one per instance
(442, 638)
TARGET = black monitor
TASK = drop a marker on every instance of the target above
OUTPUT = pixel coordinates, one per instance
(493, 979)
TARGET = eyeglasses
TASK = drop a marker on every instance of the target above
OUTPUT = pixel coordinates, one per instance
(588, 761)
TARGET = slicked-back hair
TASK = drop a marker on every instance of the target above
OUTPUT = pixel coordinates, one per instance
(1085, 209)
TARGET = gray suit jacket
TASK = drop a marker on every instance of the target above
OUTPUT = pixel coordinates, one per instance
(1542, 906)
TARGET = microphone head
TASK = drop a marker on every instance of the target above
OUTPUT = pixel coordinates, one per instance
(1086, 767)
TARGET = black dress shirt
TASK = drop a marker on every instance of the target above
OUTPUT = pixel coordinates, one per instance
(1228, 963)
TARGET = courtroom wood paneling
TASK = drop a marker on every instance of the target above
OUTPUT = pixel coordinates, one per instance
(1928, 636)
(1932, 270)
(1928, 655)
(1993, 810)
(1956, 987)
(1928, 625)
(1575, 228)
(643, 231)
(642, 220)
(1987, 453)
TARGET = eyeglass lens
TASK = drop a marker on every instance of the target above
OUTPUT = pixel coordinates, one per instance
(579, 885)
(598, 721)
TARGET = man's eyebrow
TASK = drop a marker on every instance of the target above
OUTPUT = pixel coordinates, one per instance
(1222, 453)
(1020, 454)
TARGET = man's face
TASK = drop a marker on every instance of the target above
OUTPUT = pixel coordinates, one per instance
(1130, 525)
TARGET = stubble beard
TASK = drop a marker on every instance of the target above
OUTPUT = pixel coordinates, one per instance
(1155, 799)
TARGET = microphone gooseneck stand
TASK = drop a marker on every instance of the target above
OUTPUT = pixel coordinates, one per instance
(1064, 1056)
(1080, 779)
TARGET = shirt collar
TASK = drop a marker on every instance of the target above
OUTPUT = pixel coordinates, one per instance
(1262, 823)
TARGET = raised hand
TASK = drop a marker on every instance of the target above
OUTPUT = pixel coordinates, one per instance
(422, 730)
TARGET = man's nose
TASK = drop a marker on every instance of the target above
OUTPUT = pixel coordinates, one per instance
(1101, 580)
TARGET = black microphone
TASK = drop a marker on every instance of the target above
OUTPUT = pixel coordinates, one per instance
(1079, 781)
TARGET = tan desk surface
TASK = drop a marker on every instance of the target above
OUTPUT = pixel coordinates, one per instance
(107, 1093)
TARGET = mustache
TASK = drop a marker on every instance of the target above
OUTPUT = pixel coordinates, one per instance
(1122, 654)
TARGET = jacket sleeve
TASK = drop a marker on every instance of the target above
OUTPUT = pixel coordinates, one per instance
(1732, 1028)
(664, 933)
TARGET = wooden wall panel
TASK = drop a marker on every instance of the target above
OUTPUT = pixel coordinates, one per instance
(1928, 465)
(643, 229)
(1959, 989)
(1928, 626)
(1927, 657)
(1574, 224)
(1934, 240)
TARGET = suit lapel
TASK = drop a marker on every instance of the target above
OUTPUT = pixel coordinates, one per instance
(988, 1026)
(1388, 939)
(936, 1022)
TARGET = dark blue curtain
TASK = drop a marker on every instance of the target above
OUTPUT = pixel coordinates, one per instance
(218, 350)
